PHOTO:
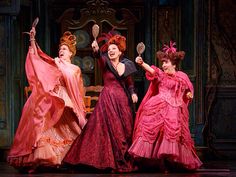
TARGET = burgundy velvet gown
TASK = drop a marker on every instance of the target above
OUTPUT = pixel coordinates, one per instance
(107, 136)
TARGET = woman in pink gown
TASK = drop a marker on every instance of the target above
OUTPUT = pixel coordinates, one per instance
(161, 131)
(107, 136)
(54, 114)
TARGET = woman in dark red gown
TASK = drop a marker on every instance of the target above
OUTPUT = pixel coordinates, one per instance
(108, 133)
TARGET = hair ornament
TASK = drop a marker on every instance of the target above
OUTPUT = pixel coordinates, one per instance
(112, 38)
(170, 52)
(69, 40)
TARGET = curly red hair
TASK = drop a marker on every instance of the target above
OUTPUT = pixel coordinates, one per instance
(112, 37)
(118, 40)
(69, 40)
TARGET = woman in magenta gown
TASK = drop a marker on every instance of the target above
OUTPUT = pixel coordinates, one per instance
(161, 131)
(107, 136)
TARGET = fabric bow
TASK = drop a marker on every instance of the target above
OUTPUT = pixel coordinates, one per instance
(170, 49)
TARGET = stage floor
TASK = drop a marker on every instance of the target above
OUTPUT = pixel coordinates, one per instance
(209, 169)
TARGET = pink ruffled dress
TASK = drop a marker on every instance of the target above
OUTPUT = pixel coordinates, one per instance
(162, 121)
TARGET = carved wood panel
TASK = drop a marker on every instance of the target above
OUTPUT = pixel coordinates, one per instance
(99, 12)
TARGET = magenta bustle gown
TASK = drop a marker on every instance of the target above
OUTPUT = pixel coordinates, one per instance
(161, 128)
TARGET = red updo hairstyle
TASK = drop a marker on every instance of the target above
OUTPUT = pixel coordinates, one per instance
(112, 38)
(118, 40)
(69, 40)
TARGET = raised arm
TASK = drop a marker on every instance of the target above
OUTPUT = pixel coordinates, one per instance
(97, 54)
(32, 40)
(144, 65)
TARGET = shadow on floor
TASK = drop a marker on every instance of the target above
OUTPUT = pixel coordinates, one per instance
(209, 169)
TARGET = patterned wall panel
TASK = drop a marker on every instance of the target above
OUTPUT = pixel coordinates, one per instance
(223, 41)
(221, 82)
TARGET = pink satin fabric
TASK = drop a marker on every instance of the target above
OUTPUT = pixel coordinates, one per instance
(52, 116)
(162, 122)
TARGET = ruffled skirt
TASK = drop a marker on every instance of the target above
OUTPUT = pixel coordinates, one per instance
(163, 133)
(53, 143)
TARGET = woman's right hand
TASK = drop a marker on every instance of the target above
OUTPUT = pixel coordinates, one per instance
(144, 65)
(95, 46)
(139, 60)
(32, 34)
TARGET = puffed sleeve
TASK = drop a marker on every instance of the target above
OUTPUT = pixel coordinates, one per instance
(156, 76)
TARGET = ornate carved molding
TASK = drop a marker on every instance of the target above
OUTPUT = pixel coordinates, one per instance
(97, 11)
(97, 7)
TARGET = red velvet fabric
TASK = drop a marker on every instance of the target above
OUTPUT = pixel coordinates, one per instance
(107, 136)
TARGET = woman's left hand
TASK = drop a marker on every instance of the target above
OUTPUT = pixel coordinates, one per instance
(134, 98)
(189, 95)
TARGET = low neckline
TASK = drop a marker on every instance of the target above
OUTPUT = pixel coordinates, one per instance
(115, 68)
